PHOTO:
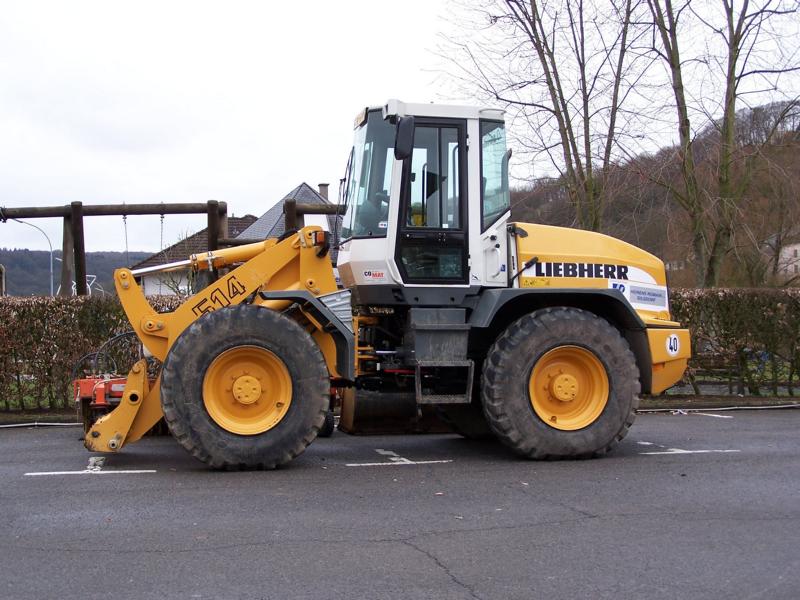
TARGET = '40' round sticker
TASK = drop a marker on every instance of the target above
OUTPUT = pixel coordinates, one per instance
(673, 345)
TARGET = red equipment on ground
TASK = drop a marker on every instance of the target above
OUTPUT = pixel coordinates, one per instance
(95, 395)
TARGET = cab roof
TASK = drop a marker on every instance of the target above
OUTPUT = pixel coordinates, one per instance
(397, 108)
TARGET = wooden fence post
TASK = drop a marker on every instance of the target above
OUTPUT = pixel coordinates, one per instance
(79, 248)
(67, 250)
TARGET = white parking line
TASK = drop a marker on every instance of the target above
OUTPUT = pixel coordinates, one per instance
(88, 472)
(667, 450)
(395, 460)
(680, 451)
(716, 416)
(95, 467)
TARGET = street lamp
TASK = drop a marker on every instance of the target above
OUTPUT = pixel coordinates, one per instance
(48, 243)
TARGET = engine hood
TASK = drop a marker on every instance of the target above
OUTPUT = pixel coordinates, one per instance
(573, 258)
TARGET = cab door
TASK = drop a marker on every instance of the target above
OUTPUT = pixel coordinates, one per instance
(495, 204)
(432, 237)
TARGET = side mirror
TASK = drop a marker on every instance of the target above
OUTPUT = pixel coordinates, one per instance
(404, 138)
(504, 169)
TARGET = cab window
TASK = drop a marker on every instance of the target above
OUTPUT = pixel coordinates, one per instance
(435, 193)
(495, 196)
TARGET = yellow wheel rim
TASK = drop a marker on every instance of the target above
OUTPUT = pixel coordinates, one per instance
(247, 390)
(568, 388)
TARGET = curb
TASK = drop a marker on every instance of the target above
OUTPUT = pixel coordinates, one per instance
(685, 402)
(39, 424)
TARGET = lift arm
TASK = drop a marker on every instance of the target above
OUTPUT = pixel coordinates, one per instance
(138, 410)
(298, 263)
(292, 264)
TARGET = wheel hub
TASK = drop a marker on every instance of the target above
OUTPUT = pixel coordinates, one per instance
(564, 387)
(247, 389)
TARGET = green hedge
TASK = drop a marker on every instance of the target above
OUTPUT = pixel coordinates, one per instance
(744, 341)
(42, 339)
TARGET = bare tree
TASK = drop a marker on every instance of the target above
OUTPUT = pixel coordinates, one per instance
(742, 57)
(762, 242)
(564, 72)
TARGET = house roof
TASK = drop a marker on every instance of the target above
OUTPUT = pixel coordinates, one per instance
(194, 244)
(271, 223)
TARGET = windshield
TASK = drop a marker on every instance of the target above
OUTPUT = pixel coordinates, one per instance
(369, 179)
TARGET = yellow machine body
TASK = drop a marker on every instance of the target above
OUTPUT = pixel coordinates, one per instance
(561, 259)
(583, 260)
(527, 332)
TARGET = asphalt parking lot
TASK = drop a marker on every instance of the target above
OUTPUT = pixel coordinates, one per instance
(688, 506)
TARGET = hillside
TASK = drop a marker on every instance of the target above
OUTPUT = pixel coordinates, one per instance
(28, 271)
(761, 219)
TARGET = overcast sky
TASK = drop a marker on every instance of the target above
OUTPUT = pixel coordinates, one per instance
(111, 102)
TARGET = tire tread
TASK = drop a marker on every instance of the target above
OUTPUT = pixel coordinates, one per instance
(496, 375)
(172, 387)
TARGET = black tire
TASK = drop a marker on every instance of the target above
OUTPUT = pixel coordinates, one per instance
(182, 388)
(328, 426)
(507, 372)
(467, 420)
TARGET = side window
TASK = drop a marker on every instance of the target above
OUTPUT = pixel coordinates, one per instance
(495, 197)
(434, 191)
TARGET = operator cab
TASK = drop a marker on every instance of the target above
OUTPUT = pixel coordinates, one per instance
(427, 198)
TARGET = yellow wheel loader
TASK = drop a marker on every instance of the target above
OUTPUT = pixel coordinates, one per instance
(542, 336)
